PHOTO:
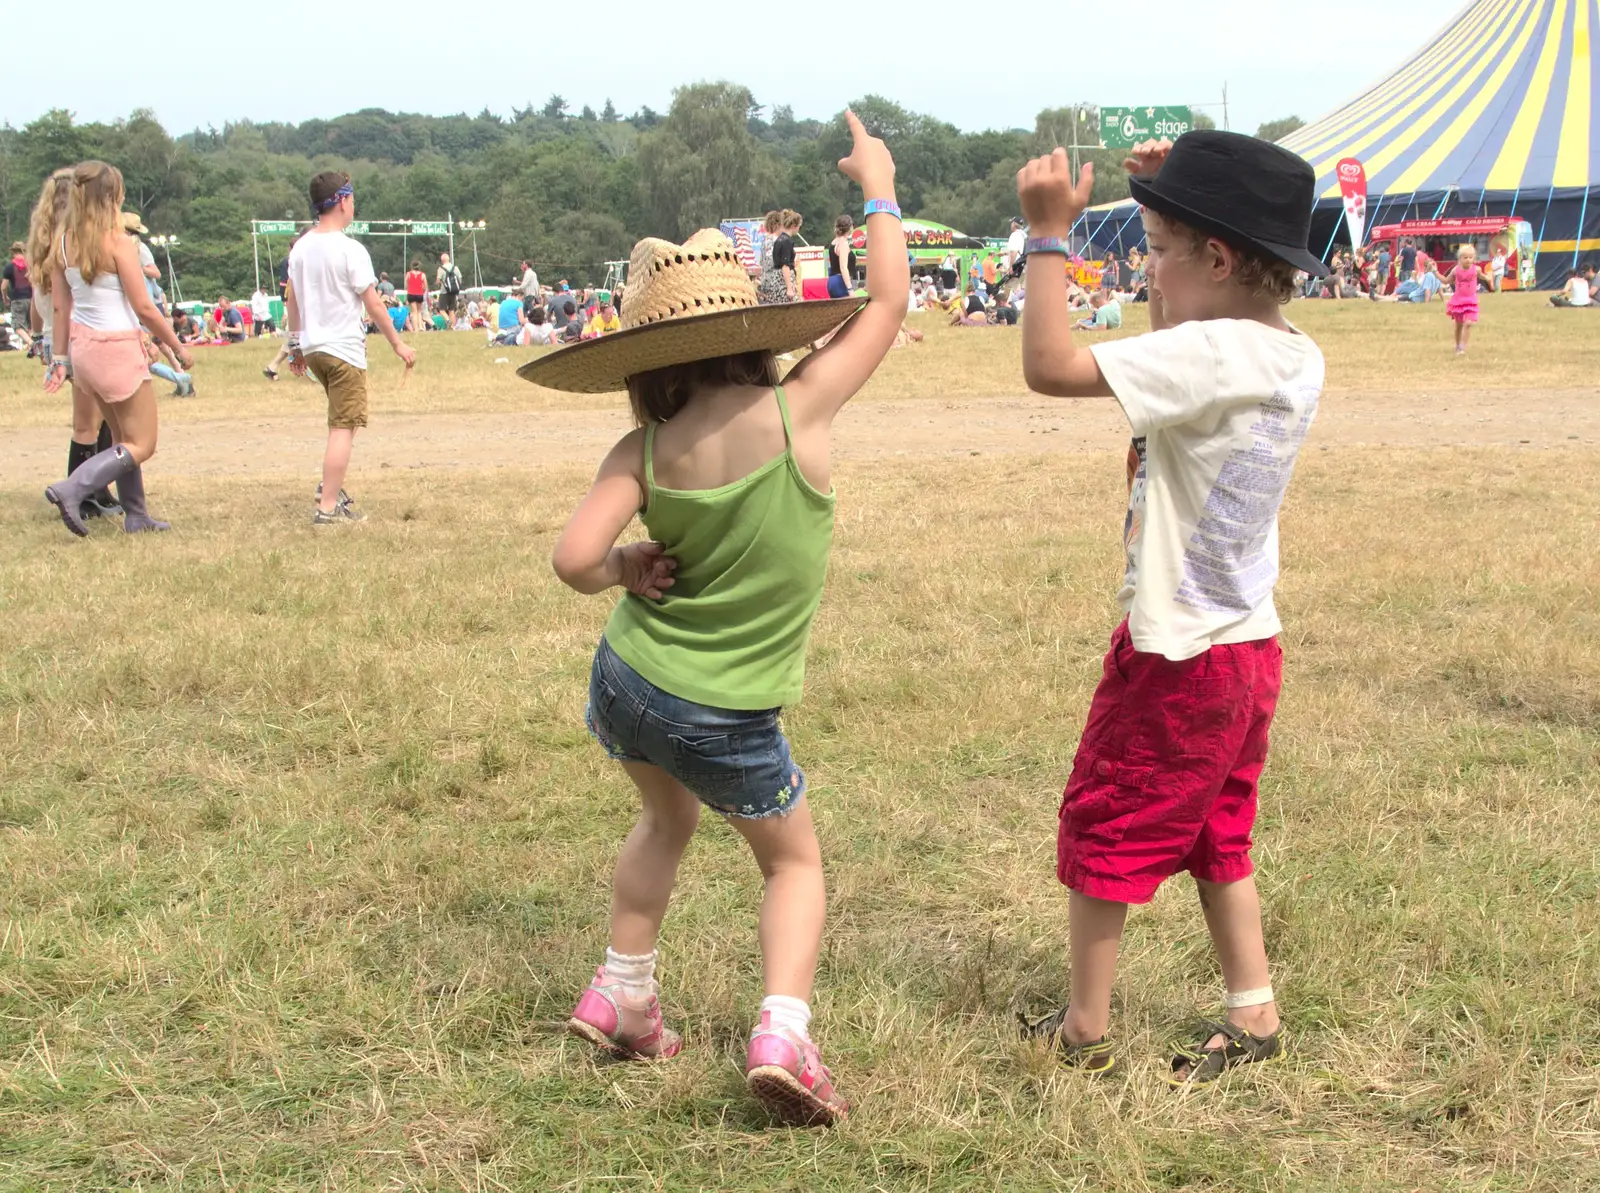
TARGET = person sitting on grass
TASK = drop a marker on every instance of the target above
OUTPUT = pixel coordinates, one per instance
(974, 314)
(604, 321)
(230, 322)
(1220, 397)
(512, 321)
(1107, 314)
(1575, 293)
(729, 472)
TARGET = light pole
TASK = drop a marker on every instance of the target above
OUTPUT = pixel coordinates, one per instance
(166, 244)
(474, 227)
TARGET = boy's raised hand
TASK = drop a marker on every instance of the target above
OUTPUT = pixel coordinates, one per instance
(1051, 200)
(1145, 158)
(869, 165)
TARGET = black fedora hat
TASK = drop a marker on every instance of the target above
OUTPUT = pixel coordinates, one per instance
(1242, 190)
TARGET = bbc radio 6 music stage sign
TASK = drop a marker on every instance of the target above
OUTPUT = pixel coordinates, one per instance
(1123, 128)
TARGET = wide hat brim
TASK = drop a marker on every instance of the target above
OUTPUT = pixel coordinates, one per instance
(604, 365)
(1145, 192)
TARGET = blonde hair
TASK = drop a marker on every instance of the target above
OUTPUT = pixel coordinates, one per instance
(44, 226)
(94, 213)
(1467, 250)
(791, 218)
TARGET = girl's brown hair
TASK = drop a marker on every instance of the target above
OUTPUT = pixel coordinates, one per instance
(791, 220)
(773, 222)
(94, 213)
(659, 394)
(45, 224)
(843, 225)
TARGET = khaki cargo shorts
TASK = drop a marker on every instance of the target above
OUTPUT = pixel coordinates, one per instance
(346, 387)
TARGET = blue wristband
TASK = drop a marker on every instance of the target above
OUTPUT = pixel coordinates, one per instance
(886, 206)
(1046, 244)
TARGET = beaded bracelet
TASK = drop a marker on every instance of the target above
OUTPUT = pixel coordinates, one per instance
(886, 206)
(1046, 244)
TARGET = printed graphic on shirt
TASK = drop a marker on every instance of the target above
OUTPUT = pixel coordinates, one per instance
(1133, 524)
(1226, 565)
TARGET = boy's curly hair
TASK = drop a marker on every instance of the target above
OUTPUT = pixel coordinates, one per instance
(1261, 276)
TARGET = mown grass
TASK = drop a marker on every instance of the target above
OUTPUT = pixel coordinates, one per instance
(304, 851)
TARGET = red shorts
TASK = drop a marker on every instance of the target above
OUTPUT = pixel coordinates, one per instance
(1165, 776)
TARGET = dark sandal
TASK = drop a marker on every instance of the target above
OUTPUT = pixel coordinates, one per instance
(1195, 1064)
(1094, 1058)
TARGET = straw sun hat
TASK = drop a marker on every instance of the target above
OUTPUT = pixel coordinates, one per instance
(685, 302)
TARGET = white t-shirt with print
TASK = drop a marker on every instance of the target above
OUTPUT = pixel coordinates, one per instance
(1219, 409)
(330, 272)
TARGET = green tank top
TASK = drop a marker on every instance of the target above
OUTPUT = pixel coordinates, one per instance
(752, 557)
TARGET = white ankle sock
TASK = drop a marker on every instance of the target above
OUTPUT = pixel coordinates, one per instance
(792, 1013)
(637, 974)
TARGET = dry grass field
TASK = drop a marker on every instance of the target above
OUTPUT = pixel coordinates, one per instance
(304, 850)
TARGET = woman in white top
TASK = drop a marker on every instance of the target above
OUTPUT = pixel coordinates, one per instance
(100, 298)
(90, 433)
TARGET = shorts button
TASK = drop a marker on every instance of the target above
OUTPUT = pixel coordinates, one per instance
(1103, 769)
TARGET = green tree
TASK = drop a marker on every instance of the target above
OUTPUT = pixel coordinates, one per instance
(1277, 130)
(699, 164)
(588, 114)
(609, 112)
(554, 108)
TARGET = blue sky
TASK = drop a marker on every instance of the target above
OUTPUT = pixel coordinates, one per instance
(221, 62)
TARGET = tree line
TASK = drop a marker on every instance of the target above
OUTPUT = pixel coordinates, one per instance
(569, 191)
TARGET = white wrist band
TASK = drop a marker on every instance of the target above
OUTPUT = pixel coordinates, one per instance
(1248, 998)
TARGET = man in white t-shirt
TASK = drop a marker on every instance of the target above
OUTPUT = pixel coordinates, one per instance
(331, 286)
(1220, 399)
(261, 313)
(1016, 243)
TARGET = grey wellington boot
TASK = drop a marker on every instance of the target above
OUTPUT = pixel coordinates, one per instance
(135, 518)
(94, 473)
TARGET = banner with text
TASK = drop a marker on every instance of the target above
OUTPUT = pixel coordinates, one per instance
(1123, 128)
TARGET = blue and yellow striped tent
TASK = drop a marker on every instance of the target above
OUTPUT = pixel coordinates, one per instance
(1495, 116)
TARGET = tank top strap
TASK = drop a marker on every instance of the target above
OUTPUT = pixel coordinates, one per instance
(649, 462)
(783, 409)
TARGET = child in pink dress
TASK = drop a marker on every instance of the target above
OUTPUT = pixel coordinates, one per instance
(1463, 304)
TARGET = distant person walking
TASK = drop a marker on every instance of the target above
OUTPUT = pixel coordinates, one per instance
(771, 287)
(1463, 304)
(530, 289)
(841, 260)
(416, 295)
(90, 432)
(100, 301)
(331, 285)
(449, 283)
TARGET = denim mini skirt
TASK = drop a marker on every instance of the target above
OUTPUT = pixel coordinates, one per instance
(735, 761)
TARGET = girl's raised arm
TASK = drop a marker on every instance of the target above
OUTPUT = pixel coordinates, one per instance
(822, 383)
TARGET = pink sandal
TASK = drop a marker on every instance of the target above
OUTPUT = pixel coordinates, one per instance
(620, 1025)
(786, 1075)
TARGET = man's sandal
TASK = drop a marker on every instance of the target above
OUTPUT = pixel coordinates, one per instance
(1195, 1064)
(1094, 1057)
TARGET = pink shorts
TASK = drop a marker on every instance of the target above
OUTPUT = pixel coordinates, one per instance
(1165, 776)
(108, 364)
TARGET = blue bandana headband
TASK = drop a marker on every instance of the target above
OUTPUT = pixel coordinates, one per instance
(332, 201)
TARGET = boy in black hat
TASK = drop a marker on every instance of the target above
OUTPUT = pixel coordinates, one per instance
(1220, 397)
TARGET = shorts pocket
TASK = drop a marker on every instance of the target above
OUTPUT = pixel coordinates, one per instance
(709, 766)
(1099, 805)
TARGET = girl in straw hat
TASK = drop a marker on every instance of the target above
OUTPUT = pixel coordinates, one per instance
(729, 473)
